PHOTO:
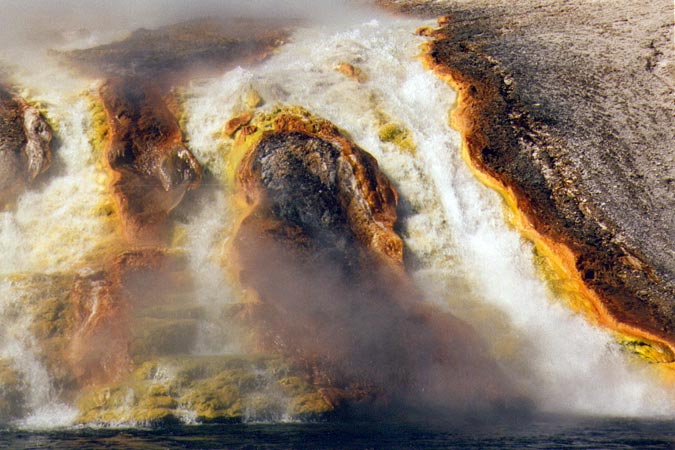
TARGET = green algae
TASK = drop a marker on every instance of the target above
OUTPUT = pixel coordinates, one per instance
(293, 386)
(310, 405)
(215, 400)
(252, 99)
(176, 102)
(99, 128)
(226, 388)
(563, 287)
(650, 351)
(397, 135)
(154, 336)
(45, 299)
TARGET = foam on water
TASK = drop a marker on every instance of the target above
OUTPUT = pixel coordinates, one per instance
(466, 258)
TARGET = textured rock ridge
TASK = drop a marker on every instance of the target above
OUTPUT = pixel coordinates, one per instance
(316, 178)
(25, 151)
(174, 53)
(151, 166)
(317, 246)
(561, 147)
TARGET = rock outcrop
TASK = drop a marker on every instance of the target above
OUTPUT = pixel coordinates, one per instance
(151, 167)
(150, 164)
(116, 335)
(220, 389)
(117, 341)
(317, 245)
(585, 158)
(313, 177)
(106, 307)
(90, 326)
(25, 138)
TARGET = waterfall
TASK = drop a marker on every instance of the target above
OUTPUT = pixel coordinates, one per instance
(465, 257)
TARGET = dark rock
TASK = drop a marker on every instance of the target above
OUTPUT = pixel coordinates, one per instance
(25, 152)
(183, 50)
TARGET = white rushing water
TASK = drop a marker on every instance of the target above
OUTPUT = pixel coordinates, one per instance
(49, 230)
(467, 259)
(471, 261)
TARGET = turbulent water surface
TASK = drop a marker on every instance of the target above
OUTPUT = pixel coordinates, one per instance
(560, 433)
(462, 253)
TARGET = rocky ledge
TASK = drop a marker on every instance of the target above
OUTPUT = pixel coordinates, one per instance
(317, 247)
(585, 156)
(117, 339)
(25, 152)
(174, 53)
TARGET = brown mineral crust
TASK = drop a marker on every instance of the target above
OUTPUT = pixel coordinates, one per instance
(174, 53)
(102, 309)
(318, 248)
(234, 124)
(423, 8)
(350, 71)
(523, 148)
(98, 348)
(151, 167)
(25, 138)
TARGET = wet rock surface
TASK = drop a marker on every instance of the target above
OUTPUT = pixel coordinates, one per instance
(311, 176)
(116, 335)
(318, 248)
(25, 138)
(184, 50)
(151, 165)
(571, 107)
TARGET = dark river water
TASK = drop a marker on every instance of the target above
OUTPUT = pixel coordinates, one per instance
(541, 433)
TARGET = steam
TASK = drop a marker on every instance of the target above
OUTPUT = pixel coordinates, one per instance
(363, 325)
(49, 23)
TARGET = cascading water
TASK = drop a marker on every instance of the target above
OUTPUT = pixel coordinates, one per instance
(467, 259)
